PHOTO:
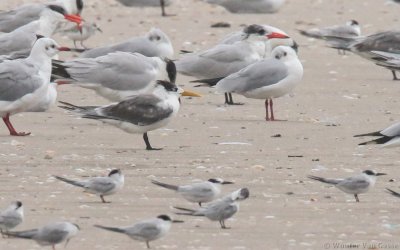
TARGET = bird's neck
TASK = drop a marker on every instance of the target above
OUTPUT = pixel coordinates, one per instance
(47, 26)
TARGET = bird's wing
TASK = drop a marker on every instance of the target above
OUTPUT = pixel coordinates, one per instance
(100, 184)
(146, 229)
(354, 183)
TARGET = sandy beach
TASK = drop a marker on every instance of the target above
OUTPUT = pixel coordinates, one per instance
(340, 96)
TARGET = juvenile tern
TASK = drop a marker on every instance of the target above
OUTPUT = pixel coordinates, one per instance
(25, 83)
(266, 79)
(389, 137)
(154, 43)
(81, 33)
(101, 186)
(138, 114)
(219, 210)
(11, 217)
(146, 230)
(49, 235)
(198, 192)
(249, 6)
(355, 185)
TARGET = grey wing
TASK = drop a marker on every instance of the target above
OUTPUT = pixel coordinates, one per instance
(52, 234)
(254, 76)
(383, 41)
(197, 190)
(140, 110)
(17, 79)
(393, 130)
(100, 185)
(340, 31)
(219, 210)
(233, 37)
(16, 42)
(147, 230)
(354, 183)
(13, 19)
(117, 71)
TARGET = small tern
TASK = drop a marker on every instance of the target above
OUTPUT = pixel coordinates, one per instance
(11, 216)
(80, 33)
(355, 185)
(389, 137)
(146, 230)
(49, 235)
(219, 210)
(101, 186)
(198, 192)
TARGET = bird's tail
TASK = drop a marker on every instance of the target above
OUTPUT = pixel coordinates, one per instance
(187, 211)
(28, 234)
(113, 229)
(393, 192)
(164, 185)
(377, 133)
(324, 180)
(381, 140)
(207, 82)
(72, 182)
(308, 34)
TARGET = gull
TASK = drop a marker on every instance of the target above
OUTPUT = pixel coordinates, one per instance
(13, 19)
(24, 83)
(154, 43)
(19, 42)
(249, 6)
(81, 33)
(355, 185)
(219, 210)
(389, 137)
(146, 230)
(11, 216)
(49, 235)
(116, 76)
(101, 186)
(224, 59)
(138, 114)
(143, 3)
(266, 79)
(198, 192)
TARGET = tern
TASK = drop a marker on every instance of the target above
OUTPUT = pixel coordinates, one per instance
(219, 210)
(11, 217)
(146, 230)
(143, 3)
(266, 79)
(249, 6)
(49, 235)
(101, 186)
(389, 137)
(355, 185)
(198, 192)
(154, 43)
(116, 76)
(25, 83)
(81, 33)
(138, 114)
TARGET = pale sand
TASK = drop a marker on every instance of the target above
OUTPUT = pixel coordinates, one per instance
(345, 91)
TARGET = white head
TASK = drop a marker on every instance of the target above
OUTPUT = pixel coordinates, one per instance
(51, 16)
(355, 25)
(116, 174)
(161, 41)
(46, 47)
(284, 53)
(17, 206)
(240, 194)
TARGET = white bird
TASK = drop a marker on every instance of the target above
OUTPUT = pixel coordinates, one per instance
(154, 43)
(24, 83)
(146, 230)
(138, 114)
(219, 210)
(266, 79)
(389, 137)
(49, 235)
(81, 33)
(198, 192)
(116, 76)
(13, 19)
(11, 216)
(144, 3)
(249, 6)
(19, 42)
(355, 185)
(101, 186)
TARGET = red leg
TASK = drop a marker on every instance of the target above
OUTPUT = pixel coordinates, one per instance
(10, 127)
(271, 105)
(266, 110)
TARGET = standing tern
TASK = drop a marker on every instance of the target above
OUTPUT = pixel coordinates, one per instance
(355, 185)
(154, 43)
(19, 42)
(389, 137)
(266, 79)
(101, 186)
(24, 83)
(138, 114)
(143, 3)
(81, 33)
(13, 19)
(49, 235)
(198, 192)
(146, 230)
(117, 75)
(11, 216)
(249, 6)
(219, 210)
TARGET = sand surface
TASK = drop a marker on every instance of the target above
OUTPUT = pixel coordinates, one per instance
(340, 96)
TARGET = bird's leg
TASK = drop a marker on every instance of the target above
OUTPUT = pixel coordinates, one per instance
(200, 204)
(83, 46)
(162, 3)
(103, 200)
(356, 196)
(266, 110)
(221, 222)
(148, 146)
(10, 127)
(147, 244)
(226, 98)
(271, 106)
(394, 76)
(230, 102)
(54, 247)
(75, 44)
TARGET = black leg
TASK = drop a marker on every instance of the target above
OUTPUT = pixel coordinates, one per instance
(266, 110)
(395, 76)
(148, 146)
(147, 244)
(230, 100)
(162, 3)
(356, 196)
(226, 98)
(200, 204)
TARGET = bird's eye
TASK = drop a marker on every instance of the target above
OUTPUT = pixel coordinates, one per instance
(47, 48)
(284, 54)
(52, 46)
(175, 89)
(158, 38)
(277, 57)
